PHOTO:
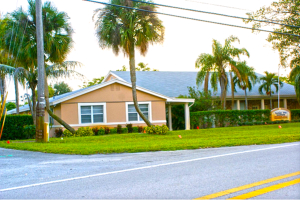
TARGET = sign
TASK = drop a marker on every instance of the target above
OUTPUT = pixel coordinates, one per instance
(278, 114)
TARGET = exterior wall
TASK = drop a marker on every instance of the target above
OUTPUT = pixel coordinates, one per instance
(110, 77)
(115, 96)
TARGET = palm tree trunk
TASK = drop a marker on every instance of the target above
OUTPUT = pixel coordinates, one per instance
(33, 105)
(246, 100)
(2, 88)
(17, 94)
(206, 82)
(59, 120)
(133, 82)
(223, 93)
(271, 101)
(232, 91)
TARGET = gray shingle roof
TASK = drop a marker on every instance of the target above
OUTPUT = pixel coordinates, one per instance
(173, 84)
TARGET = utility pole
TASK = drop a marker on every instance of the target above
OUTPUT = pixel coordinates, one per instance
(41, 68)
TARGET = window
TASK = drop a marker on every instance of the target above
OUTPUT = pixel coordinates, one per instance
(91, 114)
(133, 116)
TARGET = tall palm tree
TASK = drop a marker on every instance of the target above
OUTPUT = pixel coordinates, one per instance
(248, 79)
(269, 80)
(22, 27)
(295, 76)
(222, 57)
(124, 29)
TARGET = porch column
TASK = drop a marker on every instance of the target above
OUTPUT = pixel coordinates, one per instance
(170, 117)
(238, 105)
(262, 104)
(285, 103)
(187, 116)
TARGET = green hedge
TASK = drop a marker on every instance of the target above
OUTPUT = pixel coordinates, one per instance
(224, 118)
(14, 127)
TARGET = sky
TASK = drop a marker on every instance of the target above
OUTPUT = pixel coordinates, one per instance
(184, 39)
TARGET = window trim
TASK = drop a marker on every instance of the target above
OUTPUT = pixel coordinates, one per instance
(140, 102)
(92, 104)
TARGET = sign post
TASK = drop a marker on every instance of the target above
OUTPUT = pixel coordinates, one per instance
(279, 114)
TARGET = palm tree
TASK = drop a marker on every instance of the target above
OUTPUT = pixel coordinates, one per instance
(124, 29)
(22, 27)
(248, 79)
(295, 76)
(267, 82)
(222, 57)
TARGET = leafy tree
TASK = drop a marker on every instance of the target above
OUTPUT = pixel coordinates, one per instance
(141, 67)
(285, 12)
(213, 66)
(295, 77)
(10, 106)
(61, 88)
(123, 68)
(125, 30)
(95, 81)
(269, 80)
(287, 80)
(248, 79)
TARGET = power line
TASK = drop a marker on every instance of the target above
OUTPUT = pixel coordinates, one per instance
(206, 12)
(219, 5)
(131, 8)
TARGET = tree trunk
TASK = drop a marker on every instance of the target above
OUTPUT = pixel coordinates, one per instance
(246, 100)
(2, 88)
(271, 106)
(232, 91)
(17, 94)
(133, 82)
(223, 92)
(33, 105)
(206, 82)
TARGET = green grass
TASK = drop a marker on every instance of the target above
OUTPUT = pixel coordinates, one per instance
(193, 139)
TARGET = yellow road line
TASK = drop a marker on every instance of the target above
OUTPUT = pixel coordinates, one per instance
(267, 189)
(225, 192)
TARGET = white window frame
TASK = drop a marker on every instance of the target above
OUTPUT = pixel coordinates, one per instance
(149, 112)
(92, 104)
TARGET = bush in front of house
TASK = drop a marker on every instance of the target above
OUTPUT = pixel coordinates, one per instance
(84, 131)
(101, 131)
(113, 131)
(130, 128)
(161, 130)
(135, 130)
(95, 130)
(67, 133)
(119, 129)
(106, 130)
(29, 131)
(125, 130)
(140, 129)
(58, 132)
(14, 127)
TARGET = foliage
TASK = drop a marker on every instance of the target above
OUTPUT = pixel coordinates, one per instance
(286, 12)
(29, 131)
(287, 80)
(134, 130)
(119, 129)
(50, 89)
(295, 77)
(10, 106)
(106, 130)
(130, 128)
(125, 130)
(141, 67)
(14, 127)
(58, 132)
(67, 133)
(95, 81)
(101, 131)
(295, 114)
(140, 129)
(124, 68)
(61, 88)
(114, 130)
(213, 66)
(95, 130)
(160, 130)
(84, 131)
(191, 139)
(222, 118)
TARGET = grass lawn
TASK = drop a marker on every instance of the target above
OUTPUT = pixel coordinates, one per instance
(193, 139)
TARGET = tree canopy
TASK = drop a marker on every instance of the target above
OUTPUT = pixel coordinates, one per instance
(61, 88)
(285, 12)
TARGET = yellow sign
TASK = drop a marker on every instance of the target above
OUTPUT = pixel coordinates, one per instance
(278, 114)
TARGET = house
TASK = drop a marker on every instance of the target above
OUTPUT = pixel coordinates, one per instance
(110, 103)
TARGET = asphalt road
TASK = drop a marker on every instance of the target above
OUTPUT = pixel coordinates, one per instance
(184, 174)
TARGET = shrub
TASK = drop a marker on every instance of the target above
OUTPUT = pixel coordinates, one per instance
(106, 130)
(29, 131)
(140, 129)
(130, 128)
(58, 132)
(134, 130)
(161, 130)
(67, 133)
(119, 129)
(165, 129)
(95, 130)
(150, 130)
(101, 131)
(84, 131)
(125, 130)
(113, 130)
(14, 127)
